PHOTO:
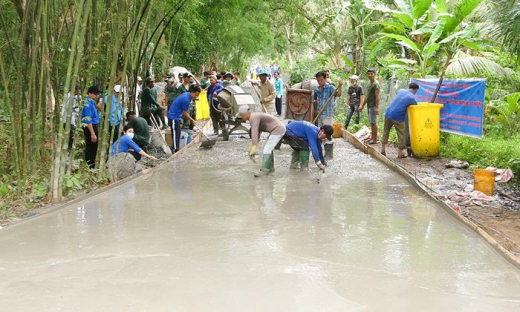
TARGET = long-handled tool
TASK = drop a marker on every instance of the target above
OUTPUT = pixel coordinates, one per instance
(208, 143)
(327, 103)
(166, 149)
(259, 97)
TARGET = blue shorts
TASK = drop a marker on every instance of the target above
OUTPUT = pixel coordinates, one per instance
(372, 116)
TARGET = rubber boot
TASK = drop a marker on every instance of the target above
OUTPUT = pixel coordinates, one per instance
(271, 169)
(267, 161)
(329, 148)
(295, 160)
(304, 159)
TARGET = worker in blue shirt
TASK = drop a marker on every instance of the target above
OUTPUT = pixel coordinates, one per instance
(90, 118)
(127, 145)
(395, 117)
(180, 108)
(214, 89)
(116, 112)
(302, 136)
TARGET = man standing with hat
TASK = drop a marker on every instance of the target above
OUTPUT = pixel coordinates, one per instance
(354, 99)
(149, 103)
(302, 136)
(267, 93)
(261, 122)
(116, 112)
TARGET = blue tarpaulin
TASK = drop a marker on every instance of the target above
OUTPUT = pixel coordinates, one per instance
(463, 99)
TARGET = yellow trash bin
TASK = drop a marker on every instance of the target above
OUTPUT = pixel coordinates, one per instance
(202, 106)
(424, 124)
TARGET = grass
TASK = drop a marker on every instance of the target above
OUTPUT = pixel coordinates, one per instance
(491, 151)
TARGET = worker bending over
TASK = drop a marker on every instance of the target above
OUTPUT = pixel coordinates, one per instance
(302, 136)
(261, 122)
(126, 145)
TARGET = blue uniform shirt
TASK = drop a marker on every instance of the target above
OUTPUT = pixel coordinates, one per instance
(115, 105)
(89, 115)
(211, 90)
(181, 104)
(322, 96)
(397, 109)
(125, 143)
(309, 132)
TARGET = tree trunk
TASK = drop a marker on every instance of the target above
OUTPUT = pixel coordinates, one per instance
(441, 78)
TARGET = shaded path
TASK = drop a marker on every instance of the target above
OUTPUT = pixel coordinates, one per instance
(203, 235)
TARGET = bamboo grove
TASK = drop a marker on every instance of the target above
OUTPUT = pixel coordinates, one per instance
(51, 46)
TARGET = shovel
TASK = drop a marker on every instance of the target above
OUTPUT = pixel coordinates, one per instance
(166, 149)
(208, 143)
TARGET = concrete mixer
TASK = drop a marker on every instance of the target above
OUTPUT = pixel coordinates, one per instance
(230, 99)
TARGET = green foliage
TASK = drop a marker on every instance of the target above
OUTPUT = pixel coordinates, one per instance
(305, 69)
(508, 113)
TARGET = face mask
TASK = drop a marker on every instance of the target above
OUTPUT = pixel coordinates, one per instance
(130, 135)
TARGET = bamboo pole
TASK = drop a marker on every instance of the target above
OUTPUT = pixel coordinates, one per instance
(55, 178)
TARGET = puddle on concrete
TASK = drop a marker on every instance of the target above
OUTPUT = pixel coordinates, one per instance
(202, 234)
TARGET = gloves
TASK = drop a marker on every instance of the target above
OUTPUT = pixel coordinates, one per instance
(321, 166)
(252, 151)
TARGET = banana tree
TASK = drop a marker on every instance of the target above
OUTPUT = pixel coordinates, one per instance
(427, 29)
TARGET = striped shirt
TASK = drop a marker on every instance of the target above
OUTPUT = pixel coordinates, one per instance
(322, 96)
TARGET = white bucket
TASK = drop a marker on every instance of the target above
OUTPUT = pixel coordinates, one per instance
(184, 139)
(156, 138)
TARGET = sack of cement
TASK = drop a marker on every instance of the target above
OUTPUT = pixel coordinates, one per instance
(459, 164)
(363, 133)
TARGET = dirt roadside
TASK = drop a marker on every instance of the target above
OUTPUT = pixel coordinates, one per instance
(500, 217)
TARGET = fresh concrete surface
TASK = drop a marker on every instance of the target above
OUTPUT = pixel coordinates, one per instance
(201, 234)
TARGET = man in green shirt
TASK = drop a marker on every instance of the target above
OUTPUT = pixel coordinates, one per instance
(204, 82)
(237, 80)
(185, 84)
(372, 102)
(171, 91)
(150, 105)
(141, 130)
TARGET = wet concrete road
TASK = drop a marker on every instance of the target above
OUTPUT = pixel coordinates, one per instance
(202, 234)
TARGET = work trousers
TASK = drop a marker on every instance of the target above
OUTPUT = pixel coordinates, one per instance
(278, 104)
(399, 128)
(116, 133)
(324, 121)
(175, 126)
(353, 109)
(158, 113)
(297, 143)
(71, 136)
(271, 143)
(216, 118)
(90, 147)
(136, 155)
